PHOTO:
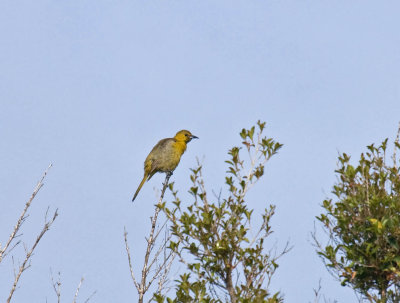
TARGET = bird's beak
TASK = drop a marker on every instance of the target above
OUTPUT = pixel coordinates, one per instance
(194, 137)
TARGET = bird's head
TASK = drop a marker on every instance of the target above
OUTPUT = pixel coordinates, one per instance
(185, 136)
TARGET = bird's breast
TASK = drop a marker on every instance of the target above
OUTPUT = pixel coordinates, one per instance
(179, 147)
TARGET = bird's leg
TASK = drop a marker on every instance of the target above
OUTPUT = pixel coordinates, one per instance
(168, 175)
(165, 184)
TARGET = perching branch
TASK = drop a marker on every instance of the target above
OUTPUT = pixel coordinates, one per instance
(163, 268)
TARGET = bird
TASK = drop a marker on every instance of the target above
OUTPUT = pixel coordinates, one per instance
(165, 156)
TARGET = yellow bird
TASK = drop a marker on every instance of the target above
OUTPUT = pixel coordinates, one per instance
(165, 156)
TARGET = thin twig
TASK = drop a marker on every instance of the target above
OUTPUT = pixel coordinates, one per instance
(77, 290)
(395, 148)
(56, 285)
(57, 288)
(25, 264)
(21, 219)
(129, 259)
(91, 296)
(171, 255)
(150, 243)
(163, 268)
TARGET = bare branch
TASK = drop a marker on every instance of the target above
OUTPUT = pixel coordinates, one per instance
(91, 296)
(57, 288)
(26, 263)
(129, 259)
(163, 268)
(14, 234)
(77, 290)
(394, 157)
(168, 259)
(56, 285)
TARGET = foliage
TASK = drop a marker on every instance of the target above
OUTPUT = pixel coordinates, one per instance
(224, 263)
(363, 224)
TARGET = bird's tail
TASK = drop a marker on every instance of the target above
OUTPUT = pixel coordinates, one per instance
(140, 186)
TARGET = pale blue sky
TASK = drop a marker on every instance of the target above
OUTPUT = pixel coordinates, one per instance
(91, 86)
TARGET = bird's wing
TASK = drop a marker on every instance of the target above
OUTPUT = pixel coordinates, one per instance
(162, 147)
(164, 144)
